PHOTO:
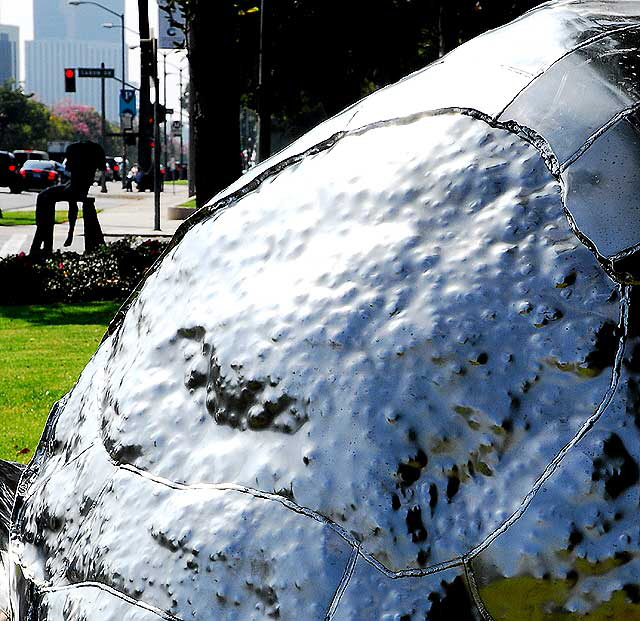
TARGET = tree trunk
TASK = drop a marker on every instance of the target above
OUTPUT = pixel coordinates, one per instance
(264, 85)
(448, 38)
(213, 61)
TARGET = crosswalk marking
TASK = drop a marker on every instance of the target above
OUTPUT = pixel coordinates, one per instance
(13, 245)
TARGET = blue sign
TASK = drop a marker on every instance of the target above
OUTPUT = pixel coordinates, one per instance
(127, 102)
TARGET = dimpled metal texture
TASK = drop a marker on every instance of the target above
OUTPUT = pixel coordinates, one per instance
(387, 375)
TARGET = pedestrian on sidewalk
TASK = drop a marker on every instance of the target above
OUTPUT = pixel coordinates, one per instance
(82, 160)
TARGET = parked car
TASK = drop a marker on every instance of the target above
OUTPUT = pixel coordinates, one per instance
(22, 155)
(41, 174)
(9, 177)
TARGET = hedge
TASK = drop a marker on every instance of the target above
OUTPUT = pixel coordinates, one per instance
(109, 273)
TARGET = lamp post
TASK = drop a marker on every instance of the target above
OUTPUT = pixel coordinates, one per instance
(165, 74)
(123, 76)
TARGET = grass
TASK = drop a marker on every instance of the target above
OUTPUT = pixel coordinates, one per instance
(43, 349)
(21, 218)
(177, 182)
(191, 203)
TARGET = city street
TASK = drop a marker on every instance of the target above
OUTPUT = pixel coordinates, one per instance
(120, 214)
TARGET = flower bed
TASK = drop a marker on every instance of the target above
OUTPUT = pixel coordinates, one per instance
(109, 273)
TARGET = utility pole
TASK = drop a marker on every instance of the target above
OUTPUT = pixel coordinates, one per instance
(181, 126)
(102, 99)
(164, 103)
(156, 138)
(264, 87)
(146, 62)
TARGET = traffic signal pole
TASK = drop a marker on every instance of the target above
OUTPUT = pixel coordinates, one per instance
(104, 116)
(146, 60)
(156, 140)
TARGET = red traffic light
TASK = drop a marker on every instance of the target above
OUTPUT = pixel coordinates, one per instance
(69, 80)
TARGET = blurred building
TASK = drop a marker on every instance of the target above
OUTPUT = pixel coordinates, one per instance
(9, 53)
(73, 36)
(54, 19)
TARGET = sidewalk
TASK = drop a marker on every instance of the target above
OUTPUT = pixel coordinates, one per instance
(120, 214)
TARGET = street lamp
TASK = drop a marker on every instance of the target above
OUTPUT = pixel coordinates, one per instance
(123, 77)
(112, 25)
(180, 69)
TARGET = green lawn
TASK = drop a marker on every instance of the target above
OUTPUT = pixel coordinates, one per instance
(43, 349)
(177, 182)
(14, 218)
(191, 203)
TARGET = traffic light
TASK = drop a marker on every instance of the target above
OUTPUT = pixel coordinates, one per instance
(150, 128)
(162, 114)
(69, 80)
(149, 57)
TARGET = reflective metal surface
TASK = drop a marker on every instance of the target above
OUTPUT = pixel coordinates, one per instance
(383, 376)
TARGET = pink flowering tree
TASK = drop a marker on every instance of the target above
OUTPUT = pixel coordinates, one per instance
(86, 124)
(85, 121)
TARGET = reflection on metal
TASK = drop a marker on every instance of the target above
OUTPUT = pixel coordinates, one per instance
(382, 376)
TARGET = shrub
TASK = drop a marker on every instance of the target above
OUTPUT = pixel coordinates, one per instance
(109, 273)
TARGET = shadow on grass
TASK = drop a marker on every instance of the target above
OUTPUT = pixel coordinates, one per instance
(98, 313)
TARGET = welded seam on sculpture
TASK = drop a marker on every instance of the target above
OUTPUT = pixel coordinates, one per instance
(40, 484)
(216, 208)
(299, 509)
(475, 594)
(256, 181)
(343, 584)
(527, 135)
(599, 132)
(585, 43)
(584, 429)
(115, 593)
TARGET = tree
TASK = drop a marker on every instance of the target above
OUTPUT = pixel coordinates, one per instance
(214, 93)
(84, 123)
(323, 56)
(24, 123)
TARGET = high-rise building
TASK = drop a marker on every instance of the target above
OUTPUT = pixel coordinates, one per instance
(55, 19)
(9, 53)
(47, 60)
(73, 36)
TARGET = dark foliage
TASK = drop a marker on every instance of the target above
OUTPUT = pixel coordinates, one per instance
(109, 273)
(318, 58)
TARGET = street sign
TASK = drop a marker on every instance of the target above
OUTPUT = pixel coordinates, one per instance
(176, 128)
(171, 27)
(127, 102)
(126, 121)
(95, 72)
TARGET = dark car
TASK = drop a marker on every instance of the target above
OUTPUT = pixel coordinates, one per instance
(9, 177)
(22, 155)
(41, 174)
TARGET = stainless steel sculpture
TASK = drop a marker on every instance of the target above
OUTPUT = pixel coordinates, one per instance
(392, 373)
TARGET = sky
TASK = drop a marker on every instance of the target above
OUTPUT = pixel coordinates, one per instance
(21, 14)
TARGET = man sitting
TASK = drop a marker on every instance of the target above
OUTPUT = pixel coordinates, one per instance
(83, 158)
